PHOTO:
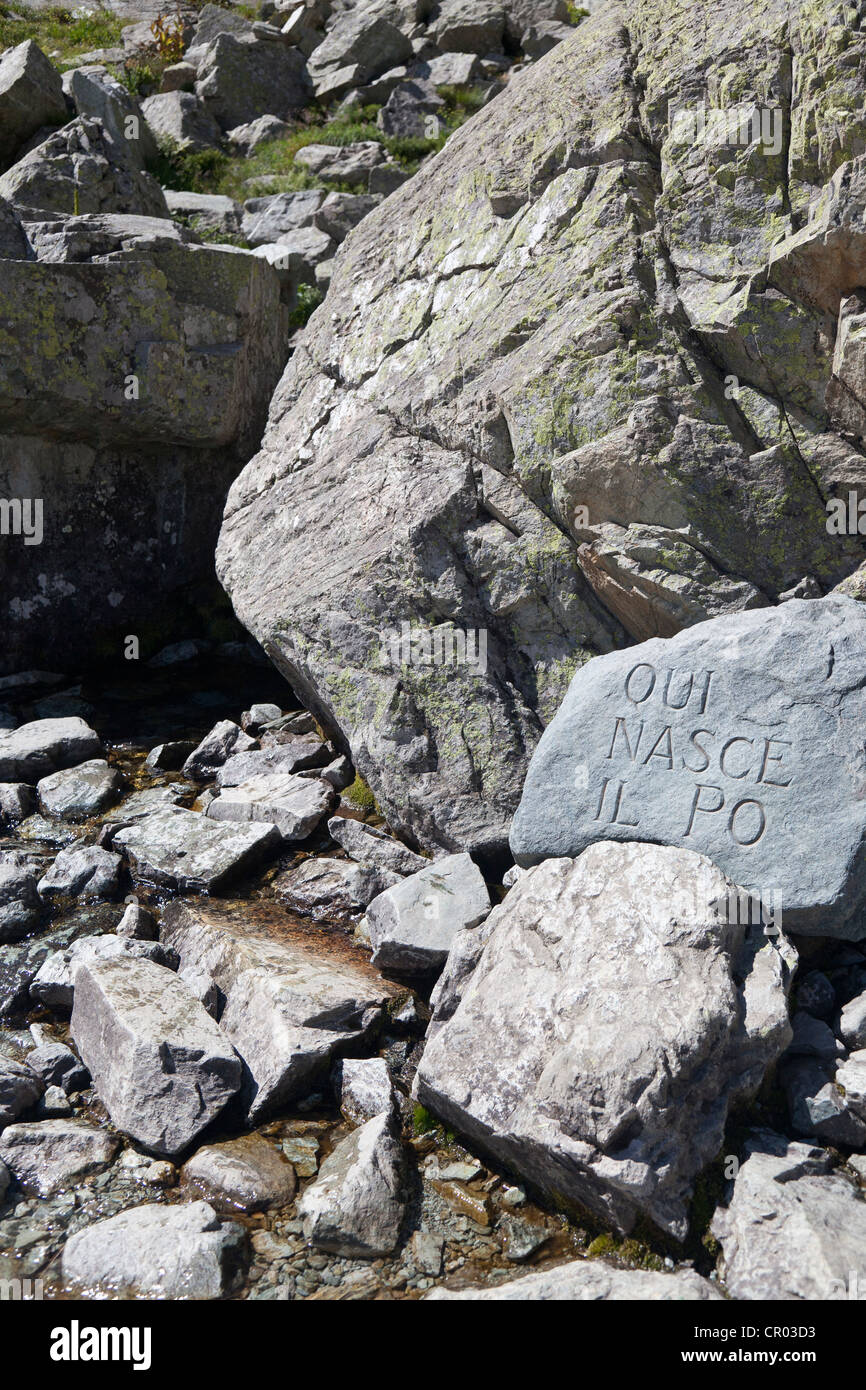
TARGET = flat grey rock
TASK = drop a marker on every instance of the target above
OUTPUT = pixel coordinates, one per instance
(211, 212)
(160, 1065)
(355, 1206)
(246, 1174)
(157, 1251)
(731, 739)
(294, 804)
(791, 1230)
(413, 924)
(293, 999)
(370, 845)
(595, 1037)
(53, 985)
(292, 754)
(590, 1281)
(51, 1155)
(79, 792)
(188, 851)
(45, 745)
(145, 802)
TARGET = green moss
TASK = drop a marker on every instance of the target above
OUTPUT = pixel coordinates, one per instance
(422, 1121)
(58, 31)
(360, 795)
(602, 1246)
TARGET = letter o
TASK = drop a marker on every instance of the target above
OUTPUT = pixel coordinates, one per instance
(642, 666)
(733, 818)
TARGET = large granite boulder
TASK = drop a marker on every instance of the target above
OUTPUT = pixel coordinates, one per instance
(613, 1014)
(134, 375)
(731, 739)
(80, 169)
(574, 379)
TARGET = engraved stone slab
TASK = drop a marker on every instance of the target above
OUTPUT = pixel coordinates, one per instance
(743, 738)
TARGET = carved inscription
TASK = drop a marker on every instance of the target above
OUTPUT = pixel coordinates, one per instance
(736, 775)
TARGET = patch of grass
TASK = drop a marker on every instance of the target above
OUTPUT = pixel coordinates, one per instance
(309, 297)
(61, 33)
(576, 14)
(188, 171)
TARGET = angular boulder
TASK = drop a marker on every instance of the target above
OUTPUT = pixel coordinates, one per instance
(81, 871)
(239, 80)
(21, 908)
(331, 887)
(369, 845)
(613, 1015)
(81, 169)
(179, 117)
(292, 803)
(355, 1206)
(78, 792)
(31, 96)
(292, 1001)
(142, 368)
(413, 924)
(574, 329)
(160, 1065)
(53, 985)
(730, 739)
(792, 1229)
(20, 1089)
